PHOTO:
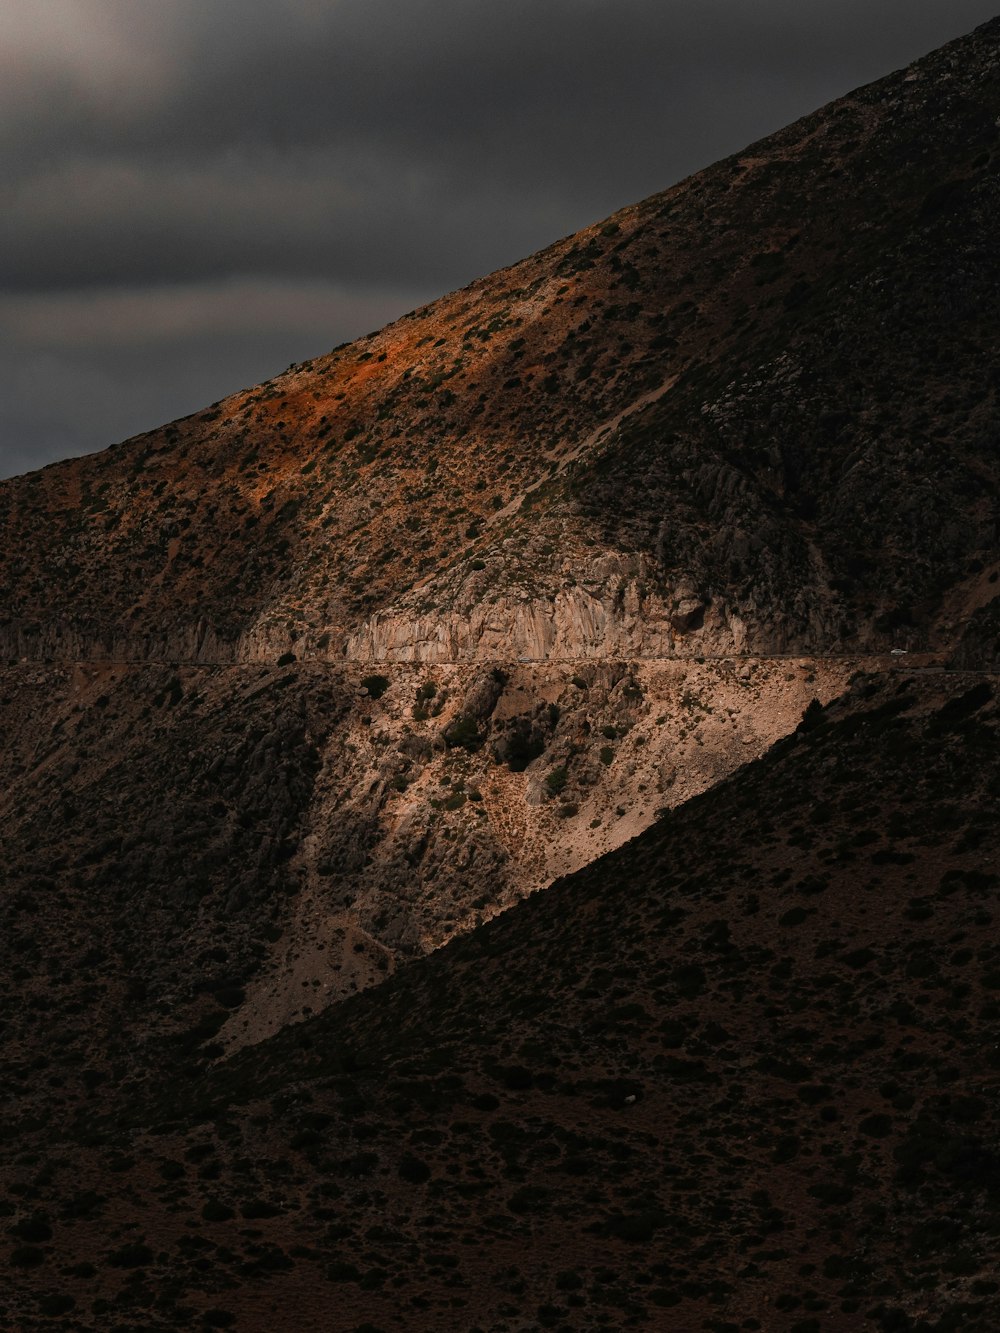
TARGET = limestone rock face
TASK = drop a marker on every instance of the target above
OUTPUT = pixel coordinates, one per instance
(483, 694)
(688, 615)
(608, 612)
(573, 624)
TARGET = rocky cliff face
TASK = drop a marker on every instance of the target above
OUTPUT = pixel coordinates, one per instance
(612, 613)
(605, 613)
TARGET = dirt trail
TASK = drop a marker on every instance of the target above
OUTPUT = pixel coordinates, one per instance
(586, 444)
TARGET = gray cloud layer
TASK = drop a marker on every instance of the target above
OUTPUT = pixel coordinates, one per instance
(196, 192)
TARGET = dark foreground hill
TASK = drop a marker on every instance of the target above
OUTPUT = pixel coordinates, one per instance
(740, 1074)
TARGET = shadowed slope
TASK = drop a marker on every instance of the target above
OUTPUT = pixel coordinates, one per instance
(743, 1069)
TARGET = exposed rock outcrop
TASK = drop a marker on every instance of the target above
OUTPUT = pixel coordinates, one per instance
(574, 624)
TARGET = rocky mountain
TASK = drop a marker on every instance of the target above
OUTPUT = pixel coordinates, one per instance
(301, 688)
(752, 416)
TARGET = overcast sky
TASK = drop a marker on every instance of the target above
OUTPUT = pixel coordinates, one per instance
(195, 193)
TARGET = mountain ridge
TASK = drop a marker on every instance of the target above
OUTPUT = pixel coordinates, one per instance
(331, 509)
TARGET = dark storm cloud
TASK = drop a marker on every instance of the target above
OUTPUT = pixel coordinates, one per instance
(199, 171)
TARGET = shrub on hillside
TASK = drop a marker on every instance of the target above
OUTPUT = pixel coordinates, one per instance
(375, 685)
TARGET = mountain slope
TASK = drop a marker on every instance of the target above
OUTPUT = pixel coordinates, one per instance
(754, 412)
(739, 1074)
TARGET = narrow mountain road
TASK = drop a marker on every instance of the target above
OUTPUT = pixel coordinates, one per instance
(913, 664)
